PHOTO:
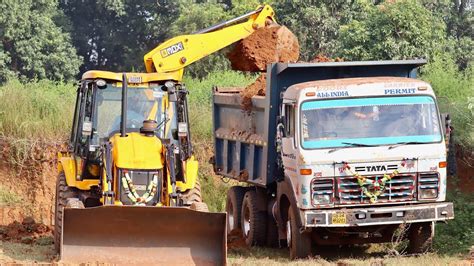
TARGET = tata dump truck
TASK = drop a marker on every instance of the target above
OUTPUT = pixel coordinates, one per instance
(335, 153)
(128, 188)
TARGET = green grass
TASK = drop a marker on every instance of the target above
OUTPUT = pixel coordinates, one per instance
(7, 197)
(36, 110)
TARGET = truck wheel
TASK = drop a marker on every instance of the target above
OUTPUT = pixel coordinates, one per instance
(298, 243)
(420, 236)
(272, 232)
(233, 207)
(199, 206)
(63, 193)
(253, 222)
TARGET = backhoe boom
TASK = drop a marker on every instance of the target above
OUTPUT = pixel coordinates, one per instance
(178, 52)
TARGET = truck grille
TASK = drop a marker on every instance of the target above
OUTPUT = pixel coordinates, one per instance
(399, 188)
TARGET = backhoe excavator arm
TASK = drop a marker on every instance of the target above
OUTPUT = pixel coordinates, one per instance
(181, 51)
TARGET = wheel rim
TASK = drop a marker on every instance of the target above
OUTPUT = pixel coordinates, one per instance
(246, 221)
(288, 233)
(230, 217)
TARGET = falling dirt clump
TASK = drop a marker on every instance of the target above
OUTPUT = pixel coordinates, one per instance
(26, 232)
(256, 88)
(266, 45)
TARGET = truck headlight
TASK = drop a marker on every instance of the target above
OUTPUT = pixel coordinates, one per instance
(431, 193)
(321, 199)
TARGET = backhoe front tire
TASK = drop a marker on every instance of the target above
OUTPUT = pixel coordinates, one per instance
(253, 221)
(63, 193)
(298, 243)
(233, 207)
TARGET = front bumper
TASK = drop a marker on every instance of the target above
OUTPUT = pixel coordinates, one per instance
(345, 217)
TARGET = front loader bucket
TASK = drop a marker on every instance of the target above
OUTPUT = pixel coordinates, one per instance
(143, 235)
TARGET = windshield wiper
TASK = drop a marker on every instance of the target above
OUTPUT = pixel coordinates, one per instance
(352, 144)
(398, 144)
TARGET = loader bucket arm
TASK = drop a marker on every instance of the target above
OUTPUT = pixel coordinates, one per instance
(178, 52)
(143, 235)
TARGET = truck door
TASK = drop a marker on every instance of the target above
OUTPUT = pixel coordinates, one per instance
(289, 143)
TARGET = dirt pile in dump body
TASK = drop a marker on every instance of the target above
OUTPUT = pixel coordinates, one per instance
(27, 232)
(256, 88)
(266, 45)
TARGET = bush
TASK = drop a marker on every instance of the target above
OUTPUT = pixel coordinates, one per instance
(457, 236)
(455, 90)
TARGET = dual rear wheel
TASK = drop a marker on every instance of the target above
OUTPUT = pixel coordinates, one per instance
(257, 227)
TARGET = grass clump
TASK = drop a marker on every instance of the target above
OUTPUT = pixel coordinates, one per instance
(7, 197)
(36, 110)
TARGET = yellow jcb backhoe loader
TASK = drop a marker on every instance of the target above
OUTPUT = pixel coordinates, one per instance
(128, 188)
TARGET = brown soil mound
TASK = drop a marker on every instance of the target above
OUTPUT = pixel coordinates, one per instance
(256, 88)
(26, 232)
(264, 46)
(235, 240)
(30, 171)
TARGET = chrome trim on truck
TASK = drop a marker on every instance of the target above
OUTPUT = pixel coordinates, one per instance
(427, 212)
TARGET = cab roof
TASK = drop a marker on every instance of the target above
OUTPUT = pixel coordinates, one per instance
(338, 83)
(117, 76)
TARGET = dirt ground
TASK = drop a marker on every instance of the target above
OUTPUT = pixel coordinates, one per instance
(43, 253)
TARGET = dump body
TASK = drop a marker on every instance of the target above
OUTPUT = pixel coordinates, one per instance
(245, 140)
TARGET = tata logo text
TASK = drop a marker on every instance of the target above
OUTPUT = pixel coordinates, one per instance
(400, 91)
(374, 168)
(172, 49)
(330, 94)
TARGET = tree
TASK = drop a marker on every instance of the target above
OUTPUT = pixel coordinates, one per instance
(115, 34)
(317, 23)
(392, 30)
(32, 46)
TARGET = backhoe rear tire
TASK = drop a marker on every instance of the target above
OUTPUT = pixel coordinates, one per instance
(253, 221)
(233, 207)
(63, 193)
(192, 195)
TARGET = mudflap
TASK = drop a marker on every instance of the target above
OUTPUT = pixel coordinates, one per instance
(143, 235)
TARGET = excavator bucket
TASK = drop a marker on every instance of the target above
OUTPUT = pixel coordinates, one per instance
(143, 235)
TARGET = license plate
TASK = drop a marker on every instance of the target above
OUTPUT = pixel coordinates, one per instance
(339, 218)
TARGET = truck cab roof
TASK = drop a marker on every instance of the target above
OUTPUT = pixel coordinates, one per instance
(333, 88)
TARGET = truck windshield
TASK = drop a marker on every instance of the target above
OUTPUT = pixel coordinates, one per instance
(143, 103)
(369, 121)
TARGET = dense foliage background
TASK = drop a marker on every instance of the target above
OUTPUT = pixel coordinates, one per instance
(46, 44)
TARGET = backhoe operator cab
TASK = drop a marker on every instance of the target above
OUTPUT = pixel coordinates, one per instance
(137, 147)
